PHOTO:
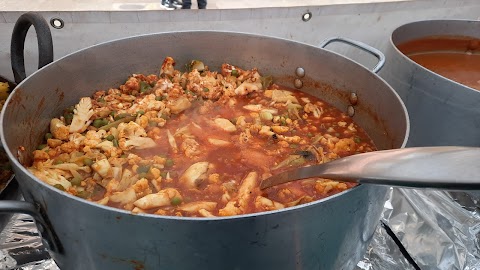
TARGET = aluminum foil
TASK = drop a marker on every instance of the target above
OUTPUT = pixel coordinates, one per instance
(433, 229)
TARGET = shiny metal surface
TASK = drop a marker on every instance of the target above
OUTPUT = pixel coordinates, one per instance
(442, 112)
(444, 167)
(360, 45)
(99, 237)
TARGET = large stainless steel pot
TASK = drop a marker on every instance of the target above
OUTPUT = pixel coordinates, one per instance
(442, 112)
(328, 234)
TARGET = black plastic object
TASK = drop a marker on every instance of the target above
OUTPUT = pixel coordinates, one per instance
(45, 44)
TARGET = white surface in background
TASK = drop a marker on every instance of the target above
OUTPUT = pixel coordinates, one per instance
(105, 5)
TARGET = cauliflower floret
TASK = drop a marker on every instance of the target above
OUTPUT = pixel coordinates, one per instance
(225, 124)
(312, 108)
(168, 66)
(190, 147)
(147, 103)
(77, 138)
(52, 143)
(142, 187)
(58, 129)
(81, 115)
(51, 177)
(283, 96)
(248, 87)
(162, 85)
(196, 173)
(178, 105)
(92, 138)
(131, 129)
(265, 204)
(103, 168)
(230, 209)
(162, 198)
(194, 207)
(139, 143)
(124, 197)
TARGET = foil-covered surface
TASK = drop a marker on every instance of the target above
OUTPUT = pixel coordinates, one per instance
(433, 229)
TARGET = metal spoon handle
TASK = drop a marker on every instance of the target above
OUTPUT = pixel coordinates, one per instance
(446, 167)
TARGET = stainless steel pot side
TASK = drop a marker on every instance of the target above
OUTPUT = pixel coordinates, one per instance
(442, 112)
(328, 234)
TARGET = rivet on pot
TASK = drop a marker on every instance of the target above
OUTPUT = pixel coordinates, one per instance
(353, 98)
(306, 16)
(57, 23)
(300, 72)
(298, 83)
(351, 111)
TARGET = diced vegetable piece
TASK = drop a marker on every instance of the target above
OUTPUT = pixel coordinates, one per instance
(198, 65)
(176, 201)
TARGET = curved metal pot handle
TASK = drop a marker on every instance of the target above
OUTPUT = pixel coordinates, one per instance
(360, 45)
(44, 38)
(49, 238)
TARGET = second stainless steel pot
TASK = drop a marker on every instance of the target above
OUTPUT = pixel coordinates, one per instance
(329, 234)
(442, 111)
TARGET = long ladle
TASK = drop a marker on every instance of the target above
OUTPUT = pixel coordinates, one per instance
(445, 167)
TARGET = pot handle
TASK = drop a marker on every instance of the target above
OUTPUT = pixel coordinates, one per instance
(49, 238)
(360, 45)
(44, 38)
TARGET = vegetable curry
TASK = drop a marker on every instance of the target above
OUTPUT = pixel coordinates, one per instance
(195, 143)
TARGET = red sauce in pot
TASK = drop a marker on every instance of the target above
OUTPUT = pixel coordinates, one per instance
(454, 57)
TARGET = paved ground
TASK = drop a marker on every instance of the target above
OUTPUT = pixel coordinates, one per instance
(76, 5)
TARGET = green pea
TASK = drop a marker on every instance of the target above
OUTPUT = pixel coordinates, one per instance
(169, 162)
(68, 118)
(101, 100)
(110, 137)
(205, 89)
(41, 146)
(98, 123)
(88, 162)
(57, 162)
(175, 201)
(70, 109)
(235, 73)
(163, 175)
(141, 112)
(76, 181)
(143, 169)
(60, 187)
(83, 194)
(48, 136)
(112, 113)
(144, 87)
(115, 142)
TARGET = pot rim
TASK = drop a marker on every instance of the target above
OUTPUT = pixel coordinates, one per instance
(436, 75)
(18, 165)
